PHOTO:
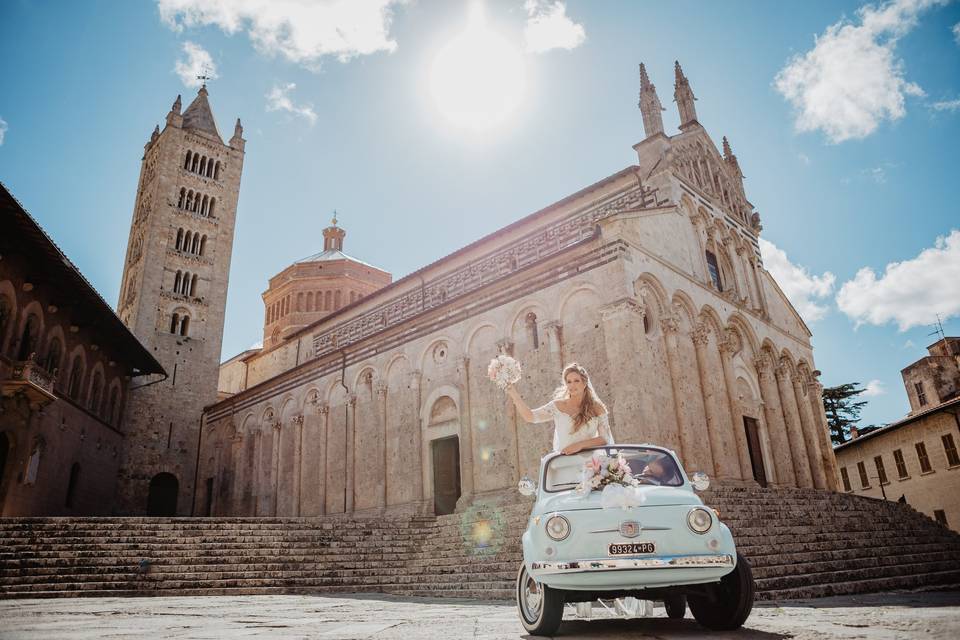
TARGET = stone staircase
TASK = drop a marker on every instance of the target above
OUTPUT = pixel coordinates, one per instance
(801, 543)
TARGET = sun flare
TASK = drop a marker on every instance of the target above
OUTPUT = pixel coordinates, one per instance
(477, 79)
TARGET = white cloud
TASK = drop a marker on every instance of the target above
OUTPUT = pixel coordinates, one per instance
(956, 32)
(877, 174)
(909, 344)
(946, 105)
(302, 31)
(804, 159)
(874, 388)
(3, 130)
(548, 27)
(804, 290)
(909, 293)
(279, 100)
(198, 63)
(852, 80)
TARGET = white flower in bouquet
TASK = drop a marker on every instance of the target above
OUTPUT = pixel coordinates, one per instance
(504, 371)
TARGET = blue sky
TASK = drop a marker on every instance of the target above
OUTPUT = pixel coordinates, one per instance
(845, 118)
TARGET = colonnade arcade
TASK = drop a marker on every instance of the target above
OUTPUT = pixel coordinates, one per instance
(730, 403)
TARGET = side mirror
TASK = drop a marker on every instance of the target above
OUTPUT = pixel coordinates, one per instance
(700, 481)
(526, 486)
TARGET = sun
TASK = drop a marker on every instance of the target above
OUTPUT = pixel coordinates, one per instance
(477, 79)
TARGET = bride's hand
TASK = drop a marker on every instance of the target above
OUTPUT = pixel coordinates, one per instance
(571, 449)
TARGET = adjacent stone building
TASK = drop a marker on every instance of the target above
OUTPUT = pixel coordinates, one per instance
(916, 458)
(173, 296)
(652, 278)
(67, 367)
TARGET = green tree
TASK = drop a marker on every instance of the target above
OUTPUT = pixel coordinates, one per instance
(843, 409)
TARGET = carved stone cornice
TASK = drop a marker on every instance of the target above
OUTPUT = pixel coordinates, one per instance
(782, 371)
(731, 342)
(620, 307)
(762, 364)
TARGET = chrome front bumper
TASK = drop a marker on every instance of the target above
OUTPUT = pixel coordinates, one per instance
(629, 564)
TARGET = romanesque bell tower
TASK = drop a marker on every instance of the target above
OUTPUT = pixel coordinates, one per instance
(172, 297)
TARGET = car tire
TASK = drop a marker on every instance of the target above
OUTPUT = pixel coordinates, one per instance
(729, 602)
(676, 606)
(540, 607)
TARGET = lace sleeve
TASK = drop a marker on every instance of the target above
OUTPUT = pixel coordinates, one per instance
(544, 413)
(603, 428)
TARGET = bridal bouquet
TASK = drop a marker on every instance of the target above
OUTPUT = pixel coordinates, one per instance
(504, 371)
(613, 476)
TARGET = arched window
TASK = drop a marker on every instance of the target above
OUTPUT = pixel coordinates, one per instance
(175, 323)
(76, 378)
(193, 286)
(113, 405)
(210, 168)
(213, 201)
(188, 204)
(532, 334)
(54, 353)
(196, 202)
(186, 241)
(299, 306)
(328, 301)
(72, 483)
(96, 393)
(203, 165)
(714, 269)
(195, 246)
(176, 282)
(216, 171)
(184, 325)
(186, 163)
(179, 239)
(183, 196)
(336, 299)
(203, 245)
(195, 163)
(309, 301)
(29, 338)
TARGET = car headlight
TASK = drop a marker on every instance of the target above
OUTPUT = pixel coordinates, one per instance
(699, 520)
(558, 527)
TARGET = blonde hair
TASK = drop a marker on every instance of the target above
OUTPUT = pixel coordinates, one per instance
(590, 405)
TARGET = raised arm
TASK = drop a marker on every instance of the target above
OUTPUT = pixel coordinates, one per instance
(530, 415)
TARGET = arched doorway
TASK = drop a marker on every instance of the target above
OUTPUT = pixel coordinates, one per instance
(446, 474)
(162, 500)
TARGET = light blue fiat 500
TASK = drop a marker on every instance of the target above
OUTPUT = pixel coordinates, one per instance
(666, 545)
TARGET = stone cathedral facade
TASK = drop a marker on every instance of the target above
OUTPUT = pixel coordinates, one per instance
(652, 278)
(172, 297)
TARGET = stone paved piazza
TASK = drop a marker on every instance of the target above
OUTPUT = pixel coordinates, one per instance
(891, 615)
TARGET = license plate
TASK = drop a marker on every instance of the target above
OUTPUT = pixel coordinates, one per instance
(630, 548)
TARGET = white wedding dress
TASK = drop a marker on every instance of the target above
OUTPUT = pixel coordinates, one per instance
(563, 433)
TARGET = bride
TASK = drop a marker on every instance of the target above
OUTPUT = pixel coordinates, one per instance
(579, 417)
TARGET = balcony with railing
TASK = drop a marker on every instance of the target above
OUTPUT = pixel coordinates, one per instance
(29, 379)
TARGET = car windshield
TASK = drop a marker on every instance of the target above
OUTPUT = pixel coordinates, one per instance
(647, 466)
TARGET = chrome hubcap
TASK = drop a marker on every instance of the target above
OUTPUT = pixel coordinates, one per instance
(531, 597)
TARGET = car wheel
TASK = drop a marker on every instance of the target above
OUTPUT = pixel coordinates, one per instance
(676, 606)
(540, 607)
(729, 602)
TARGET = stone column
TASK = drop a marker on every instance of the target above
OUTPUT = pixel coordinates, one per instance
(275, 468)
(700, 335)
(351, 461)
(382, 424)
(236, 491)
(217, 478)
(687, 401)
(505, 347)
(259, 472)
(831, 472)
(809, 435)
(466, 427)
(415, 381)
(782, 465)
(323, 410)
(297, 463)
(728, 347)
(755, 269)
(626, 354)
(791, 416)
(554, 333)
